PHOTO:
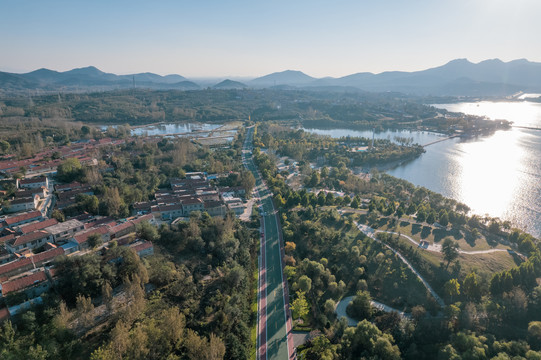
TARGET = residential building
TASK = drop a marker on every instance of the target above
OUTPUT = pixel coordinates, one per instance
(67, 187)
(147, 217)
(33, 183)
(82, 238)
(65, 230)
(23, 204)
(33, 285)
(23, 264)
(41, 191)
(29, 241)
(168, 212)
(121, 229)
(21, 219)
(25, 229)
(215, 208)
(192, 204)
(143, 248)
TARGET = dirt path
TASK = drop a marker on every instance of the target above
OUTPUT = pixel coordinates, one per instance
(437, 247)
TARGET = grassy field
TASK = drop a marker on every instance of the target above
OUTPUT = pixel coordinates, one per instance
(482, 263)
(435, 235)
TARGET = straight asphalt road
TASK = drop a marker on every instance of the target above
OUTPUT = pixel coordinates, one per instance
(275, 337)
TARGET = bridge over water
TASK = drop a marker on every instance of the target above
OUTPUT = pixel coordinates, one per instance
(533, 127)
(440, 140)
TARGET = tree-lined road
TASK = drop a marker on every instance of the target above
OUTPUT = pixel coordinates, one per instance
(274, 337)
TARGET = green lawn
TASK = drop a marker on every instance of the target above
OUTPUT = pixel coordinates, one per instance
(488, 263)
(434, 235)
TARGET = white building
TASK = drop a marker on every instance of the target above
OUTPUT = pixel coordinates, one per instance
(65, 230)
(32, 183)
(23, 204)
(29, 241)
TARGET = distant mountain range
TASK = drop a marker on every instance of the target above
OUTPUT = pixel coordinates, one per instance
(90, 78)
(458, 78)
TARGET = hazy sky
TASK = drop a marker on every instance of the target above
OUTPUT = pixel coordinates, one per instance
(202, 38)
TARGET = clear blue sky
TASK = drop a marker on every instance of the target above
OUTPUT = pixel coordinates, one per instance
(203, 38)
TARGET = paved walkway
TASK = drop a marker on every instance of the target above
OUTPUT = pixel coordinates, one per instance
(437, 247)
(245, 216)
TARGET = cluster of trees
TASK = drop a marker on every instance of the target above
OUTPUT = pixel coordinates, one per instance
(327, 257)
(199, 309)
(476, 323)
(217, 287)
(244, 179)
(307, 147)
(524, 276)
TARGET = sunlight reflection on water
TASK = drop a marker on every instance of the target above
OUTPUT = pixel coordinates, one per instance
(498, 175)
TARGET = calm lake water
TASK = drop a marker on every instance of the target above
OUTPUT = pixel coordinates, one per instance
(175, 128)
(418, 137)
(498, 175)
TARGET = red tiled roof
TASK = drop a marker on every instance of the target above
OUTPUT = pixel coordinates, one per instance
(9, 237)
(53, 271)
(33, 180)
(82, 238)
(102, 221)
(71, 194)
(169, 207)
(25, 200)
(36, 235)
(28, 193)
(71, 186)
(23, 282)
(120, 227)
(144, 205)
(142, 246)
(83, 217)
(27, 261)
(146, 217)
(17, 264)
(4, 314)
(23, 217)
(48, 255)
(192, 201)
(37, 226)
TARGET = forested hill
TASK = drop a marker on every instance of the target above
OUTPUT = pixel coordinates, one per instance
(146, 106)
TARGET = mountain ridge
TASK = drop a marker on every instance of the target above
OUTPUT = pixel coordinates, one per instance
(458, 77)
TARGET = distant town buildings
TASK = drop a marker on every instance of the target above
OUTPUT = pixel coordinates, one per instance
(30, 241)
(194, 193)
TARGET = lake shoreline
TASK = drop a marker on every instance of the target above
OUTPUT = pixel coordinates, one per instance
(495, 174)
